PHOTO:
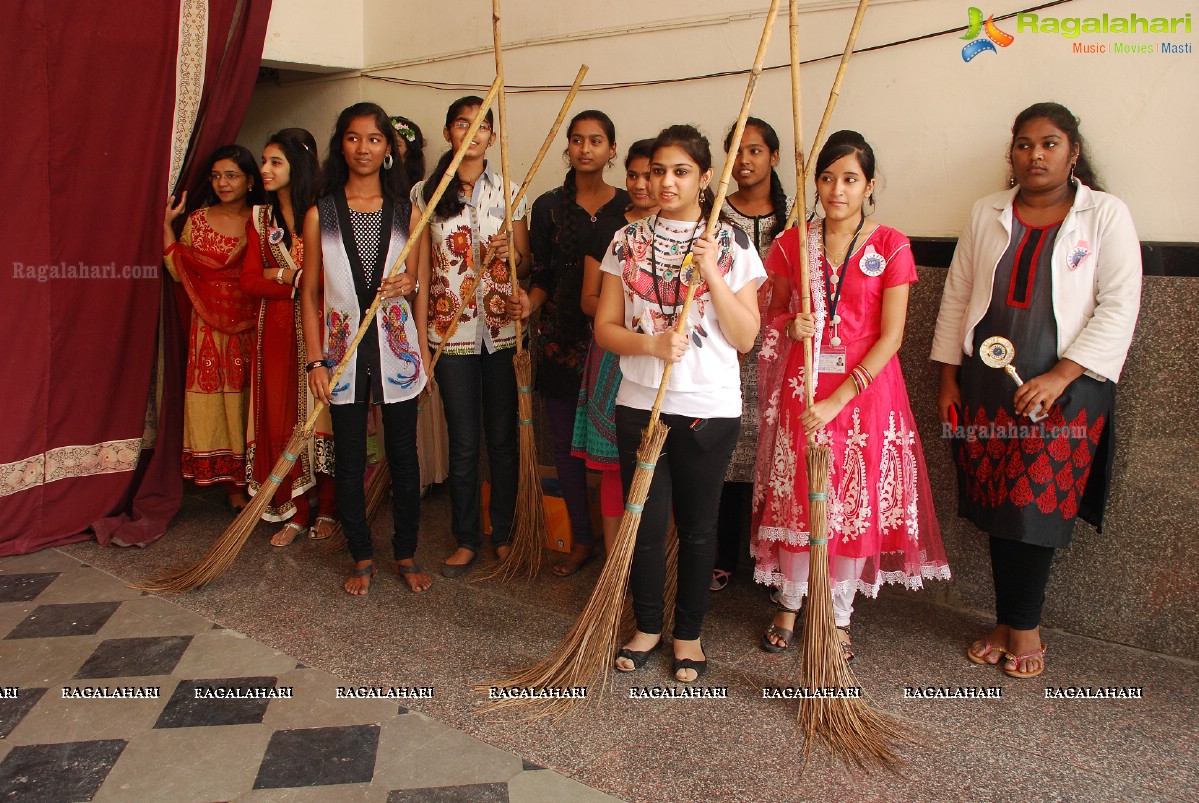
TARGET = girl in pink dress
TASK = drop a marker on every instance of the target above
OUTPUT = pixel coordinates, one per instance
(882, 528)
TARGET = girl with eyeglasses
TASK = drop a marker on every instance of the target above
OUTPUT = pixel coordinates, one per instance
(207, 261)
(474, 373)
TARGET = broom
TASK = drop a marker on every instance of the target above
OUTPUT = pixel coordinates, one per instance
(582, 659)
(529, 531)
(833, 94)
(670, 590)
(847, 725)
(224, 550)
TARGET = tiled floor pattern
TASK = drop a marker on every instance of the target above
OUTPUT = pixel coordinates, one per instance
(194, 711)
(462, 631)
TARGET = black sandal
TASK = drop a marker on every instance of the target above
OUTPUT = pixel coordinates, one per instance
(638, 657)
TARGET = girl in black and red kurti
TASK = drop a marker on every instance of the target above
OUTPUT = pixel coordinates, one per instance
(565, 219)
(1053, 266)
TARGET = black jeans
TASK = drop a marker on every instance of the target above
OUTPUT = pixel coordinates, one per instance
(736, 502)
(688, 475)
(399, 441)
(1021, 572)
(472, 384)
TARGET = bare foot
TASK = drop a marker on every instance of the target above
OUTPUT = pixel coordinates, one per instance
(503, 551)
(684, 650)
(359, 581)
(639, 643)
(238, 501)
(287, 534)
(579, 553)
(417, 580)
(460, 557)
(990, 650)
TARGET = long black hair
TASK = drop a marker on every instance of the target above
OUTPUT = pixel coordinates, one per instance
(1063, 119)
(414, 145)
(246, 163)
(335, 172)
(846, 143)
(450, 204)
(695, 145)
(778, 196)
(299, 149)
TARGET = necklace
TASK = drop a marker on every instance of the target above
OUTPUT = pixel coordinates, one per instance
(832, 276)
(669, 273)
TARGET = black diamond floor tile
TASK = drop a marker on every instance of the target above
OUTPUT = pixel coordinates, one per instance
(530, 766)
(470, 793)
(319, 757)
(134, 657)
(186, 710)
(78, 619)
(14, 709)
(57, 772)
(24, 587)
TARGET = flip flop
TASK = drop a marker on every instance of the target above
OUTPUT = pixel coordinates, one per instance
(981, 657)
(415, 568)
(720, 579)
(365, 571)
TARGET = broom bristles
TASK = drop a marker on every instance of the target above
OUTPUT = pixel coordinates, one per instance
(222, 553)
(529, 532)
(584, 657)
(850, 728)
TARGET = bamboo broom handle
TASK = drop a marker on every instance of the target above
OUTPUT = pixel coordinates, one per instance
(725, 175)
(368, 318)
(833, 94)
(508, 205)
(801, 206)
(520, 195)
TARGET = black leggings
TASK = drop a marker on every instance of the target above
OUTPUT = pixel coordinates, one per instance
(688, 476)
(1021, 572)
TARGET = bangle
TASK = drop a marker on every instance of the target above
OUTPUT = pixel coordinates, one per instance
(315, 364)
(861, 378)
(295, 277)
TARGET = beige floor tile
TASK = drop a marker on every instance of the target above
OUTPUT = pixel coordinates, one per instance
(341, 793)
(547, 786)
(228, 653)
(85, 584)
(152, 616)
(416, 751)
(314, 704)
(55, 720)
(44, 662)
(48, 560)
(174, 765)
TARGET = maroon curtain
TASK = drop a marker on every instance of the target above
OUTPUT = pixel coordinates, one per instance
(88, 103)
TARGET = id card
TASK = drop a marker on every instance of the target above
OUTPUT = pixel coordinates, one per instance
(832, 360)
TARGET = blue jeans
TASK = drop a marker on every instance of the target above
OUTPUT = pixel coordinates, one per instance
(482, 387)
(399, 441)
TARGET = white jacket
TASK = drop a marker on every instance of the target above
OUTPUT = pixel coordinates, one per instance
(1096, 281)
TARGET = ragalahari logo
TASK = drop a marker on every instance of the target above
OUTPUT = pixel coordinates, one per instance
(993, 37)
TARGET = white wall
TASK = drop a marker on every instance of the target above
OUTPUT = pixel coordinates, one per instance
(320, 35)
(940, 126)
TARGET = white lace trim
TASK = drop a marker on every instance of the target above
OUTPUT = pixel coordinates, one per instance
(771, 576)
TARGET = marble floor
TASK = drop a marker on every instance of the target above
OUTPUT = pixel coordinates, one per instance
(248, 670)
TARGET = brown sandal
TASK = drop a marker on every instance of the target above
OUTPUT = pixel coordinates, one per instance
(846, 643)
(1015, 672)
(980, 656)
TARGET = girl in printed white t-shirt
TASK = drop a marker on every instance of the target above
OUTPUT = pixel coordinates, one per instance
(640, 300)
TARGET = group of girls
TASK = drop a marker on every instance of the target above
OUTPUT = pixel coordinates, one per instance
(604, 275)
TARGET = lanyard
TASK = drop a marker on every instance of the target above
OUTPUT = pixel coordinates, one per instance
(832, 280)
(653, 269)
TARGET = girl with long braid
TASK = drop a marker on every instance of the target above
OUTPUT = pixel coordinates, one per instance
(564, 219)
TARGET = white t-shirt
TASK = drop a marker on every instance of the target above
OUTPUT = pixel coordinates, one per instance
(706, 383)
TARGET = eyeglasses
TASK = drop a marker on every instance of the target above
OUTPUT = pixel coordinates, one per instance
(462, 125)
(228, 176)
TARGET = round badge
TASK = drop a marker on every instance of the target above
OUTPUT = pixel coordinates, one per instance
(276, 235)
(872, 263)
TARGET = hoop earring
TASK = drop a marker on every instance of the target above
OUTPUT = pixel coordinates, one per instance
(388, 161)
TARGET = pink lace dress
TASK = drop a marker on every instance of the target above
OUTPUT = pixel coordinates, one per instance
(882, 528)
